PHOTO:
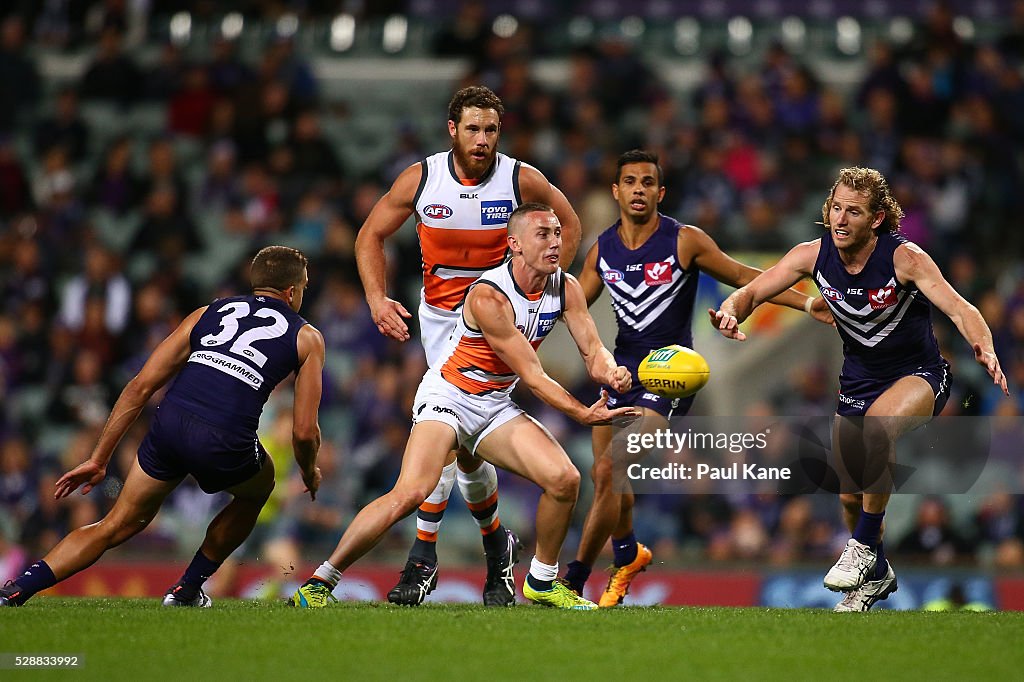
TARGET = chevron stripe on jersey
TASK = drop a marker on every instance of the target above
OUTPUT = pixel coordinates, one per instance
(640, 306)
(867, 325)
(462, 227)
(652, 295)
(885, 326)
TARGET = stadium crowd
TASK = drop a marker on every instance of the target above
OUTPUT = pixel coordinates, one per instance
(103, 250)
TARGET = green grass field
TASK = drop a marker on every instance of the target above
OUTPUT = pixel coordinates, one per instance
(139, 640)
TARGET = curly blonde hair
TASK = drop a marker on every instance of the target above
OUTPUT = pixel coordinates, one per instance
(872, 183)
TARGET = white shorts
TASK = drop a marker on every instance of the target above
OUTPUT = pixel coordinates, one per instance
(473, 417)
(436, 327)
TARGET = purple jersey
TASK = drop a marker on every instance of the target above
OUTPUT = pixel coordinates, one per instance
(885, 326)
(241, 348)
(652, 295)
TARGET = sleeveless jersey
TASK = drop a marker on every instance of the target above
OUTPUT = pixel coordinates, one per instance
(241, 348)
(652, 295)
(462, 227)
(885, 326)
(470, 364)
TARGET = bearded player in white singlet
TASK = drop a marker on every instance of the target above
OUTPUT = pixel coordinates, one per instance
(462, 200)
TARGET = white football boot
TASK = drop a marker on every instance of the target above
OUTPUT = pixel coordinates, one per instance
(855, 564)
(865, 596)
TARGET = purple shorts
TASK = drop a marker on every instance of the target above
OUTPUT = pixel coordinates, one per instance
(856, 395)
(180, 443)
(638, 396)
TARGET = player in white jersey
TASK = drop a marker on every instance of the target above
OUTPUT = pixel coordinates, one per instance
(462, 200)
(464, 400)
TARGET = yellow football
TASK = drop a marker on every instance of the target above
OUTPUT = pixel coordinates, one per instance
(674, 371)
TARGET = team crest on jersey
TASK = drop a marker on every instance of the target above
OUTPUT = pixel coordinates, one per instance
(832, 294)
(611, 276)
(495, 212)
(657, 273)
(438, 211)
(882, 298)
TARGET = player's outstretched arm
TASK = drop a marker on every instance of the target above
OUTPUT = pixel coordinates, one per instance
(709, 257)
(599, 360)
(387, 215)
(164, 363)
(533, 186)
(305, 418)
(793, 267)
(914, 265)
(489, 311)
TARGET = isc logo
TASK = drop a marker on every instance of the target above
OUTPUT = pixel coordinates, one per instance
(437, 211)
(662, 355)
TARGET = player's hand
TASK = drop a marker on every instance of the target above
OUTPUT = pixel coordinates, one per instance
(311, 479)
(620, 379)
(387, 314)
(726, 324)
(598, 414)
(88, 474)
(821, 312)
(991, 364)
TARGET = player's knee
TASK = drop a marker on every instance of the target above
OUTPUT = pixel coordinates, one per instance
(120, 529)
(408, 498)
(565, 485)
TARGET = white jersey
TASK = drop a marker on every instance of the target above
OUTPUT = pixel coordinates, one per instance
(470, 364)
(462, 224)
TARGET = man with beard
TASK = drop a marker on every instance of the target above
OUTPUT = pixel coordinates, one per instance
(462, 199)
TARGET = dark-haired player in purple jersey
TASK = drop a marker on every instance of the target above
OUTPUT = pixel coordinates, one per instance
(228, 357)
(880, 288)
(650, 264)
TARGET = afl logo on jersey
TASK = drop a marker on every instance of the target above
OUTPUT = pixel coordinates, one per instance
(437, 211)
(832, 294)
(612, 276)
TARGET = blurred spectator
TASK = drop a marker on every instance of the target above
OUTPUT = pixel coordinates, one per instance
(162, 171)
(167, 231)
(98, 281)
(466, 34)
(115, 186)
(191, 103)
(112, 76)
(65, 128)
(20, 90)
(933, 537)
(15, 196)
